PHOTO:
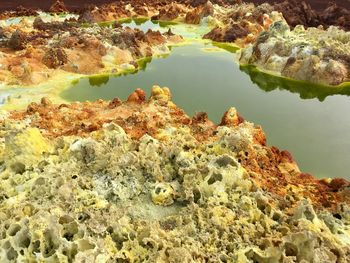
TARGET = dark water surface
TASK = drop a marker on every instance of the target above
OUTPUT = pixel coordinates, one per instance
(314, 128)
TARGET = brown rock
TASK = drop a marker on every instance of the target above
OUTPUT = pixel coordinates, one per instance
(168, 12)
(234, 32)
(338, 183)
(229, 34)
(18, 40)
(114, 103)
(216, 34)
(39, 24)
(298, 12)
(141, 10)
(231, 118)
(124, 40)
(154, 37)
(55, 57)
(137, 96)
(2, 35)
(196, 15)
(45, 101)
(22, 11)
(58, 7)
(336, 15)
(196, 3)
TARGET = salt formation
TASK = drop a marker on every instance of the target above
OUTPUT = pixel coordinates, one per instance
(140, 181)
(313, 54)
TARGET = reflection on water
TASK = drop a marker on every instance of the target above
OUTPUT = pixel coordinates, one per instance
(315, 132)
(101, 79)
(306, 90)
(184, 30)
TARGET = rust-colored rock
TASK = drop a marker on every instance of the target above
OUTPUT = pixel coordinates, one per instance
(229, 34)
(273, 170)
(58, 7)
(196, 15)
(137, 96)
(55, 57)
(168, 12)
(298, 12)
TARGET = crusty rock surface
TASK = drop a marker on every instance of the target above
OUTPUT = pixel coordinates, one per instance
(242, 23)
(33, 51)
(337, 16)
(314, 55)
(298, 12)
(18, 40)
(19, 11)
(245, 25)
(55, 57)
(140, 181)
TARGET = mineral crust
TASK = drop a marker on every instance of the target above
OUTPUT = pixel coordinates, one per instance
(34, 52)
(140, 181)
(288, 39)
(313, 54)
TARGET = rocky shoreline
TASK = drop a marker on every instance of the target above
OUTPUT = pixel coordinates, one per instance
(140, 181)
(283, 38)
(34, 52)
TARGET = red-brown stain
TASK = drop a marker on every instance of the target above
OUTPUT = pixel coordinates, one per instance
(273, 170)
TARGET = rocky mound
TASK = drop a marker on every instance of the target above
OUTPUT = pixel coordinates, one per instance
(140, 181)
(32, 53)
(312, 54)
(18, 11)
(58, 7)
(242, 23)
(299, 12)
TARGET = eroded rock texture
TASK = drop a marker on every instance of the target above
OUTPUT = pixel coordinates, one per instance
(245, 25)
(140, 181)
(32, 53)
(299, 12)
(311, 54)
(242, 24)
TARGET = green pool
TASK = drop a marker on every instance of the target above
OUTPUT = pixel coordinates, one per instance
(312, 122)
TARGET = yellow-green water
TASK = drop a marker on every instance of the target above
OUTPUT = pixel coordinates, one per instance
(310, 121)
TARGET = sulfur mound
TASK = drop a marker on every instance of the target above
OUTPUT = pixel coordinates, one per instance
(140, 181)
(314, 55)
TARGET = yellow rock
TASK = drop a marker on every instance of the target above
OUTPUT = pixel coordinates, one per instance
(25, 148)
(163, 194)
(159, 93)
